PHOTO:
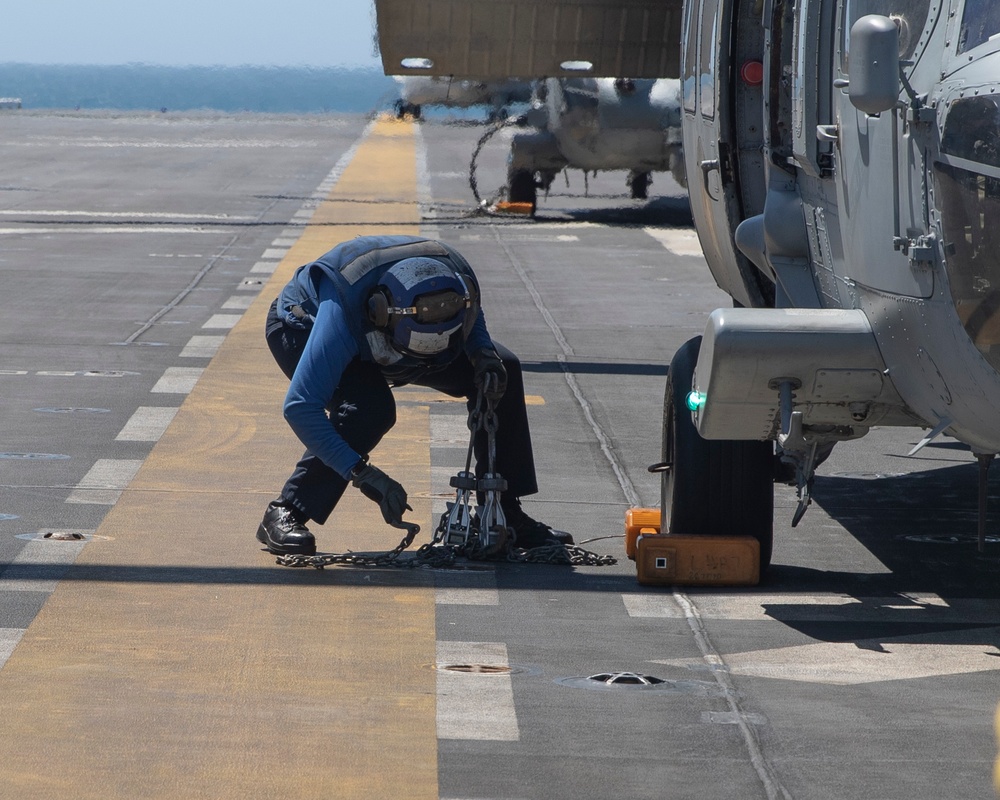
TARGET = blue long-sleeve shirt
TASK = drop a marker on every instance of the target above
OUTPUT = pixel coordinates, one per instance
(330, 297)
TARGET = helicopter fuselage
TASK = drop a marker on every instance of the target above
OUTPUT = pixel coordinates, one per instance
(831, 195)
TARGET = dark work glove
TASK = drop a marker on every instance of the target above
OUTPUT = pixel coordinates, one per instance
(489, 374)
(390, 496)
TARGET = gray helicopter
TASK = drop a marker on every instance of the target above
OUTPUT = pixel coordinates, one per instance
(577, 119)
(597, 124)
(417, 91)
(843, 162)
(848, 202)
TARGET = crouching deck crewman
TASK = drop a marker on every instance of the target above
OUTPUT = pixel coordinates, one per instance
(377, 312)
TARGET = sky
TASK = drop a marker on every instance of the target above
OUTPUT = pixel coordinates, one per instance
(300, 33)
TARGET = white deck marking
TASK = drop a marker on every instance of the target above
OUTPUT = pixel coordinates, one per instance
(239, 301)
(729, 718)
(826, 607)
(9, 637)
(187, 144)
(105, 481)
(842, 663)
(178, 380)
(680, 241)
(59, 553)
(264, 267)
(104, 230)
(866, 661)
(18, 212)
(222, 321)
(147, 424)
(470, 705)
(461, 596)
(652, 605)
(202, 346)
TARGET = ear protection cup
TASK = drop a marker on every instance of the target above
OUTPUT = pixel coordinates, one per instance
(378, 309)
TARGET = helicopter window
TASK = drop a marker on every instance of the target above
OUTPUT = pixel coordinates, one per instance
(909, 15)
(980, 23)
(969, 202)
(709, 36)
(690, 55)
(972, 130)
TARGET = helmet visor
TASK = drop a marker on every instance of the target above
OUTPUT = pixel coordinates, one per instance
(438, 307)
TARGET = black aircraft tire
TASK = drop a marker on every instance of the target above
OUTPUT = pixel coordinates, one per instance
(639, 186)
(522, 188)
(713, 487)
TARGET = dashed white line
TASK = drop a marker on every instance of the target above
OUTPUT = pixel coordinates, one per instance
(462, 596)
(264, 267)
(239, 301)
(105, 230)
(105, 481)
(178, 380)
(202, 346)
(118, 214)
(9, 638)
(54, 555)
(223, 321)
(147, 424)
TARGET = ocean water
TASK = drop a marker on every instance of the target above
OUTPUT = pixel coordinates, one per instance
(142, 86)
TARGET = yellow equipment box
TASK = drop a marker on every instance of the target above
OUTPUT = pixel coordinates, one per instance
(639, 521)
(673, 558)
(513, 208)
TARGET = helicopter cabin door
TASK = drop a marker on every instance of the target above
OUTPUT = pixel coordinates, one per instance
(722, 135)
(882, 202)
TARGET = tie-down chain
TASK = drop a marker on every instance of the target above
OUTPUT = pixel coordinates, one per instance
(483, 536)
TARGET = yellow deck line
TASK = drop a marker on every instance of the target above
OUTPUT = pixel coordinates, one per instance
(176, 660)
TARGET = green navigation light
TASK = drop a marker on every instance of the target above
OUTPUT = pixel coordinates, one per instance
(695, 401)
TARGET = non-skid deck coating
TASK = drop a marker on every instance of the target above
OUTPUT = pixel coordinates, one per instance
(174, 660)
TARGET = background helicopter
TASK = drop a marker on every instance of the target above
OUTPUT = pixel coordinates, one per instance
(598, 124)
(843, 176)
(591, 124)
(416, 91)
(629, 121)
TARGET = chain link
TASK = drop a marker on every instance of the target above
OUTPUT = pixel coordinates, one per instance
(434, 555)
(439, 554)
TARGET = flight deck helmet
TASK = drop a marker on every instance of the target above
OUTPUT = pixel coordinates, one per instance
(425, 307)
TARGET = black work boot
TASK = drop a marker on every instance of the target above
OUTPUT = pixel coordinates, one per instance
(283, 533)
(530, 533)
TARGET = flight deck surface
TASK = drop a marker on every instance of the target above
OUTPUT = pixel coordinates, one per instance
(150, 648)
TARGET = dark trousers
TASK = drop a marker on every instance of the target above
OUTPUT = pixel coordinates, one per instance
(363, 410)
